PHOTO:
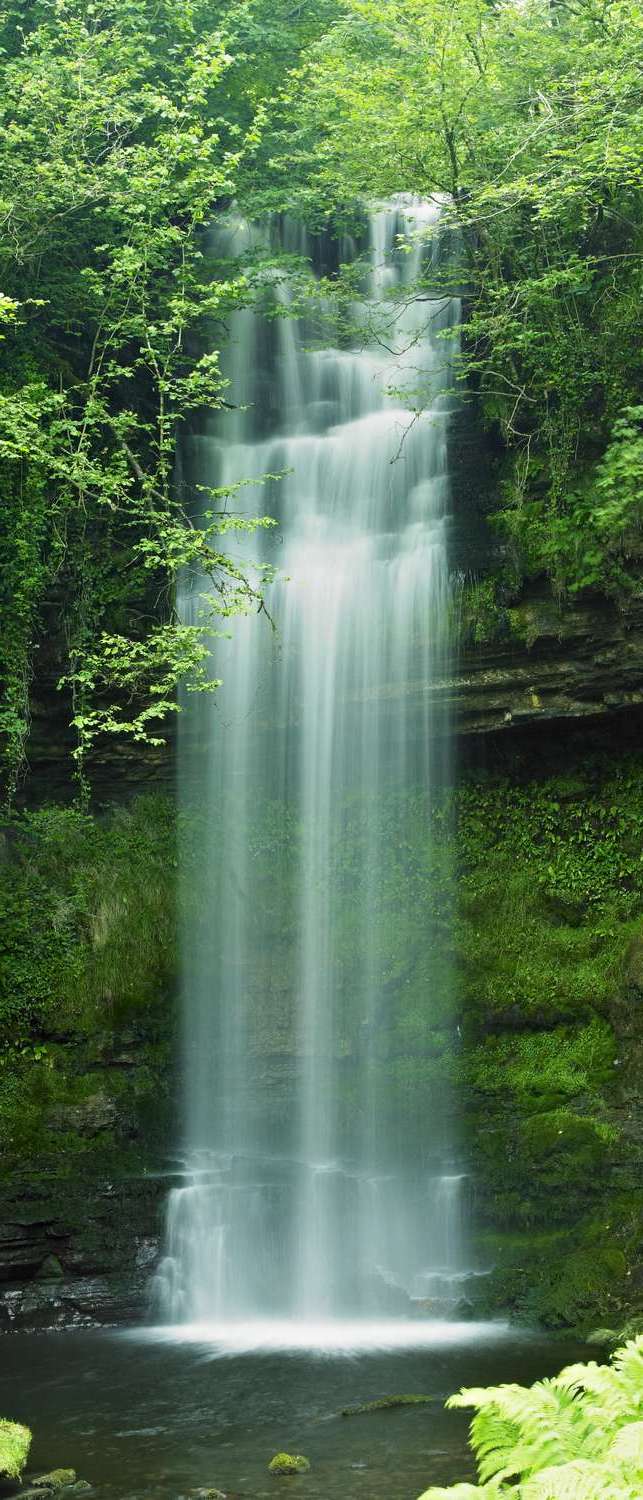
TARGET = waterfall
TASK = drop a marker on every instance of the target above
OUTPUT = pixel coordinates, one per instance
(320, 1178)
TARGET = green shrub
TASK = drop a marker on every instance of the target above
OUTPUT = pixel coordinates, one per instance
(578, 1436)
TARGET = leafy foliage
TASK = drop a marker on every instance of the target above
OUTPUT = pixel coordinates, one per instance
(122, 129)
(574, 1437)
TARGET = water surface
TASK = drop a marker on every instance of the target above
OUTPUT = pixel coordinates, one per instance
(152, 1420)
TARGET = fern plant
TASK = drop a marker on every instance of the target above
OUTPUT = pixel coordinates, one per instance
(578, 1436)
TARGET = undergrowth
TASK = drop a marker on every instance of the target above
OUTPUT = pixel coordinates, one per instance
(577, 1436)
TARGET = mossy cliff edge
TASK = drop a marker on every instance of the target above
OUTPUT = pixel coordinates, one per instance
(549, 948)
(87, 976)
(536, 882)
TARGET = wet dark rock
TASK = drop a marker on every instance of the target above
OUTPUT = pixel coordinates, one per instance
(81, 1302)
(581, 662)
(50, 1270)
(464, 1310)
(23, 1248)
(104, 1237)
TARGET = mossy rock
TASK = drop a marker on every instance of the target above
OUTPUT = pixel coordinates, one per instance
(15, 1442)
(614, 1338)
(57, 1479)
(587, 1282)
(603, 1338)
(564, 1145)
(387, 1403)
(288, 1463)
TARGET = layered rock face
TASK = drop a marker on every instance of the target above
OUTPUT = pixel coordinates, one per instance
(584, 662)
(75, 1255)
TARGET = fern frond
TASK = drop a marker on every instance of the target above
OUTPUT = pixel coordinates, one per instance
(578, 1436)
(607, 1396)
(515, 1432)
(466, 1492)
(628, 1363)
(627, 1451)
(478, 1396)
(579, 1480)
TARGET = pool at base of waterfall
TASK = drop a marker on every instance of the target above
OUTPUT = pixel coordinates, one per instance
(152, 1418)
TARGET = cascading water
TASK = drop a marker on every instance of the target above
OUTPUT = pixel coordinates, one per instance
(319, 1175)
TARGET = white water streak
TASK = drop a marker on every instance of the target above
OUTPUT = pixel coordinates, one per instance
(291, 1212)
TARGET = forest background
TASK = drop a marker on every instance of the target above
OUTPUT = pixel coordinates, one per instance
(125, 125)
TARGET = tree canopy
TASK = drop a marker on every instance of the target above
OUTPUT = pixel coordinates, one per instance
(123, 125)
(527, 120)
(126, 126)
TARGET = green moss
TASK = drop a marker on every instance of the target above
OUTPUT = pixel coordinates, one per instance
(88, 910)
(555, 1278)
(549, 932)
(556, 1139)
(565, 1061)
(15, 1442)
(571, 1292)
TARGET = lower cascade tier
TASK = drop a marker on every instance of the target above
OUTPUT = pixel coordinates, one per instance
(385, 1245)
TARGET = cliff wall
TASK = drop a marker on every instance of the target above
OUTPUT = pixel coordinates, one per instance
(538, 877)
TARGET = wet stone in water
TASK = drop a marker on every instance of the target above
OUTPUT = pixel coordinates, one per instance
(57, 1479)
